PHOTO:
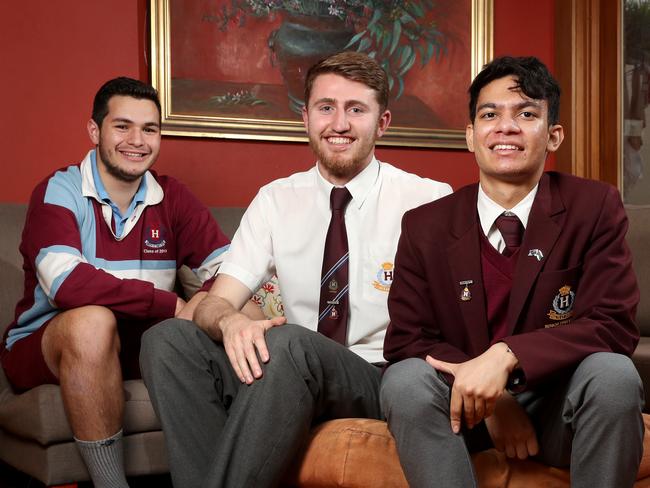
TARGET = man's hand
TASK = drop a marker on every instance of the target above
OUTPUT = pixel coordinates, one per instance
(511, 429)
(218, 314)
(180, 305)
(243, 340)
(478, 384)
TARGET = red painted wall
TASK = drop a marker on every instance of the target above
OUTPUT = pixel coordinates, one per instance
(55, 55)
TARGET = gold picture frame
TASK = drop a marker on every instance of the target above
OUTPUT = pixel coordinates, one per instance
(203, 105)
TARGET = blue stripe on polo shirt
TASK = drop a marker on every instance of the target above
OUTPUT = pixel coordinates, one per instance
(39, 313)
(58, 281)
(134, 264)
(212, 256)
(58, 249)
(18, 333)
(61, 249)
(64, 189)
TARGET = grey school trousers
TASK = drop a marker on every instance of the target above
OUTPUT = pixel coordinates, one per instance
(222, 433)
(591, 421)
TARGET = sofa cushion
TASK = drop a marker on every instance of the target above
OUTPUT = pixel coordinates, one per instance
(361, 453)
(38, 413)
(268, 298)
(58, 464)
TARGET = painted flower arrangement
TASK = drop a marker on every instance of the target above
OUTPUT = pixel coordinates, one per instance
(397, 33)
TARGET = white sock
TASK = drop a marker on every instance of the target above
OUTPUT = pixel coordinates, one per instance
(105, 461)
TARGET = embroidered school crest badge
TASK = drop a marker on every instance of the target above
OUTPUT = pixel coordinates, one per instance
(333, 285)
(155, 237)
(384, 277)
(562, 304)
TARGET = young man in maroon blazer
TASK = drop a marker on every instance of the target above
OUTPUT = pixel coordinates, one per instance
(512, 307)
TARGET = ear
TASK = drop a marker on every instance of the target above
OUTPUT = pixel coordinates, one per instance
(93, 131)
(555, 137)
(305, 117)
(469, 137)
(384, 122)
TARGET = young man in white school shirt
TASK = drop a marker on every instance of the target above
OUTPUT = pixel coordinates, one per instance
(237, 397)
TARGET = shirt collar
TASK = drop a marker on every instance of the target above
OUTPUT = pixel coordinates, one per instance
(489, 210)
(102, 194)
(359, 186)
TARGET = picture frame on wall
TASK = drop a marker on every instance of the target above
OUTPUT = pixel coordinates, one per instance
(235, 69)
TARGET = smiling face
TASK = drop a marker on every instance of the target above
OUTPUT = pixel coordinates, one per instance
(343, 121)
(128, 140)
(511, 136)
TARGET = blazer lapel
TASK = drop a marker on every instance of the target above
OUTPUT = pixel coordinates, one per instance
(541, 234)
(464, 255)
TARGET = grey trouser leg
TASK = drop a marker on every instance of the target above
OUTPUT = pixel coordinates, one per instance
(221, 433)
(192, 386)
(415, 401)
(591, 422)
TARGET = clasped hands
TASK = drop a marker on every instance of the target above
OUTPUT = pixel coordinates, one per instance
(478, 393)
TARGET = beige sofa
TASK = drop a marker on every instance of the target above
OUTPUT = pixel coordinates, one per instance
(35, 437)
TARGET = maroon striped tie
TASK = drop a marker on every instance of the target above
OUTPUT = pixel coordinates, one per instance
(333, 309)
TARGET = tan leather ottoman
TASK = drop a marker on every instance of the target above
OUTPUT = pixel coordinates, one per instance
(361, 453)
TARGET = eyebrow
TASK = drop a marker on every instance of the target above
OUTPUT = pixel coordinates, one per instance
(518, 106)
(129, 121)
(348, 103)
(324, 100)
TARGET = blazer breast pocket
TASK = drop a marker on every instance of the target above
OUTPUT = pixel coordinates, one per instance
(554, 297)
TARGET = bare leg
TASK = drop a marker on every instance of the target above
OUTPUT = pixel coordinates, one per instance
(81, 347)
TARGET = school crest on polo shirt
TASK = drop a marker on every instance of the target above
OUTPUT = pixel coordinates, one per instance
(384, 277)
(155, 239)
(562, 305)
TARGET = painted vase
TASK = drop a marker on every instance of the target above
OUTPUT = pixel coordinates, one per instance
(302, 41)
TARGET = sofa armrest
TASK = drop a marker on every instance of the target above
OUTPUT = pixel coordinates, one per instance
(10, 293)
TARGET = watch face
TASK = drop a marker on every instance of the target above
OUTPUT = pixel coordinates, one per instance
(516, 381)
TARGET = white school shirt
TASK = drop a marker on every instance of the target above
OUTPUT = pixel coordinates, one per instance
(283, 232)
(489, 210)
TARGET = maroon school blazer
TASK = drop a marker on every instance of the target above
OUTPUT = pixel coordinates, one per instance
(574, 291)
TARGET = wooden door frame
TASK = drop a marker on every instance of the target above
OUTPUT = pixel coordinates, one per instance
(588, 57)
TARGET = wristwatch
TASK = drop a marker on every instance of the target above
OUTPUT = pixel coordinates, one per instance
(516, 381)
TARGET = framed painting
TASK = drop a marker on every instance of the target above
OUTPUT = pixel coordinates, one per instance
(235, 68)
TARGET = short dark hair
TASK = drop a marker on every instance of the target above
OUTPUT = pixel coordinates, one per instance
(533, 79)
(122, 86)
(353, 66)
